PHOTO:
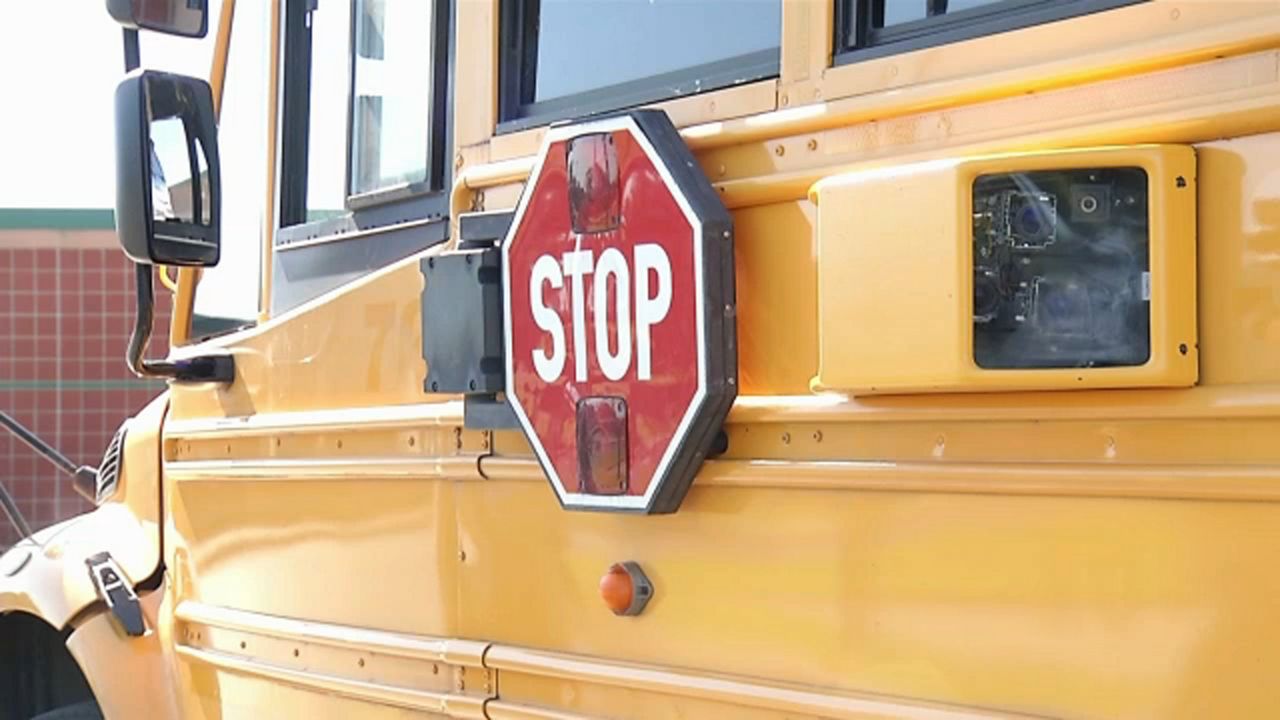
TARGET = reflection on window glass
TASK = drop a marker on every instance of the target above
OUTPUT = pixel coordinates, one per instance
(391, 117)
(586, 45)
(327, 134)
(897, 12)
(958, 5)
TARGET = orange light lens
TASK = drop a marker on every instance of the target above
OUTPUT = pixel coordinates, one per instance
(616, 589)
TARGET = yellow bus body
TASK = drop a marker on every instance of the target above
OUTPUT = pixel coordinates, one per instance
(337, 544)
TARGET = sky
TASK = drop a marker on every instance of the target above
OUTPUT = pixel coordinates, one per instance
(62, 60)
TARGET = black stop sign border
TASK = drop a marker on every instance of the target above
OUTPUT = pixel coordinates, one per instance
(714, 233)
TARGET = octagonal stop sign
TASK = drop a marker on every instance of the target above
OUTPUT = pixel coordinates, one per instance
(618, 289)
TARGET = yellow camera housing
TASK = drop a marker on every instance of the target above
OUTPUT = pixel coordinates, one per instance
(896, 279)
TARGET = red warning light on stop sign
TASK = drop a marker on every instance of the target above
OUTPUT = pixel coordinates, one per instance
(618, 285)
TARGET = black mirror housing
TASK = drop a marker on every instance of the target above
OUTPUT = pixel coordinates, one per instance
(186, 18)
(152, 227)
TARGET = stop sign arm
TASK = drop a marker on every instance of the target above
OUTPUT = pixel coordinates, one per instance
(593, 302)
(634, 312)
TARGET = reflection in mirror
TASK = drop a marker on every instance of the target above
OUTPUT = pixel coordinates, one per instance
(168, 150)
(171, 186)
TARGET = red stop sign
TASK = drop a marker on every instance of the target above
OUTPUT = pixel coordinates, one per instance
(619, 300)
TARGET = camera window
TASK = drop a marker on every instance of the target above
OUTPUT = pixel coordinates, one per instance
(1061, 269)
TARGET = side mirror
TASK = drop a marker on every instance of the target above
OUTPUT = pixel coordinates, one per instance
(188, 18)
(168, 193)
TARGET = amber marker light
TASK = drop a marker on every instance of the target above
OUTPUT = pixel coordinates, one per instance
(625, 589)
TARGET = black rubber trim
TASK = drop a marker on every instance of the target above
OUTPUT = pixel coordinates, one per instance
(462, 340)
(719, 307)
(485, 411)
(481, 229)
(488, 412)
(295, 114)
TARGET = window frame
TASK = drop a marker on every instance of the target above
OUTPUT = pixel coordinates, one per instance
(295, 121)
(310, 257)
(517, 68)
(857, 38)
(437, 81)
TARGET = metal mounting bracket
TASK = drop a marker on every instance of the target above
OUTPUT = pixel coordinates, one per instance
(112, 589)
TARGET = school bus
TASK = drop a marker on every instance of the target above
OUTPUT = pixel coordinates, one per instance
(723, 359)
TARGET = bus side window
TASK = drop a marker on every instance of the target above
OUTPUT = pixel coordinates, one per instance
(391, 112)
(323, 175)
(873, 28)
(569, 58)
(361, 81)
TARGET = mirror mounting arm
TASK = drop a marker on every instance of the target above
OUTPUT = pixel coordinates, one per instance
(132, 53)
(197, 369)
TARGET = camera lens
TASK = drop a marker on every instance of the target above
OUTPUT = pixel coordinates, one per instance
(1091, 203)
(986, 298)
(1029, 223)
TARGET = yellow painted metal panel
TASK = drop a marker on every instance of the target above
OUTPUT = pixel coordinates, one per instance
(360, 332)
(777, 278)
(365, 552)
(1239, 264)
(1053, 606)
(130, 678)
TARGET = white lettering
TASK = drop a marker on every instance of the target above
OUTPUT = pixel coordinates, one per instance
(651, 300)
(650, 309)
(576, 265)
(548, 366)
(613, 263)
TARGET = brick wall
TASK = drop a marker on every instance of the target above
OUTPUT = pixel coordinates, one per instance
(66, 312)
